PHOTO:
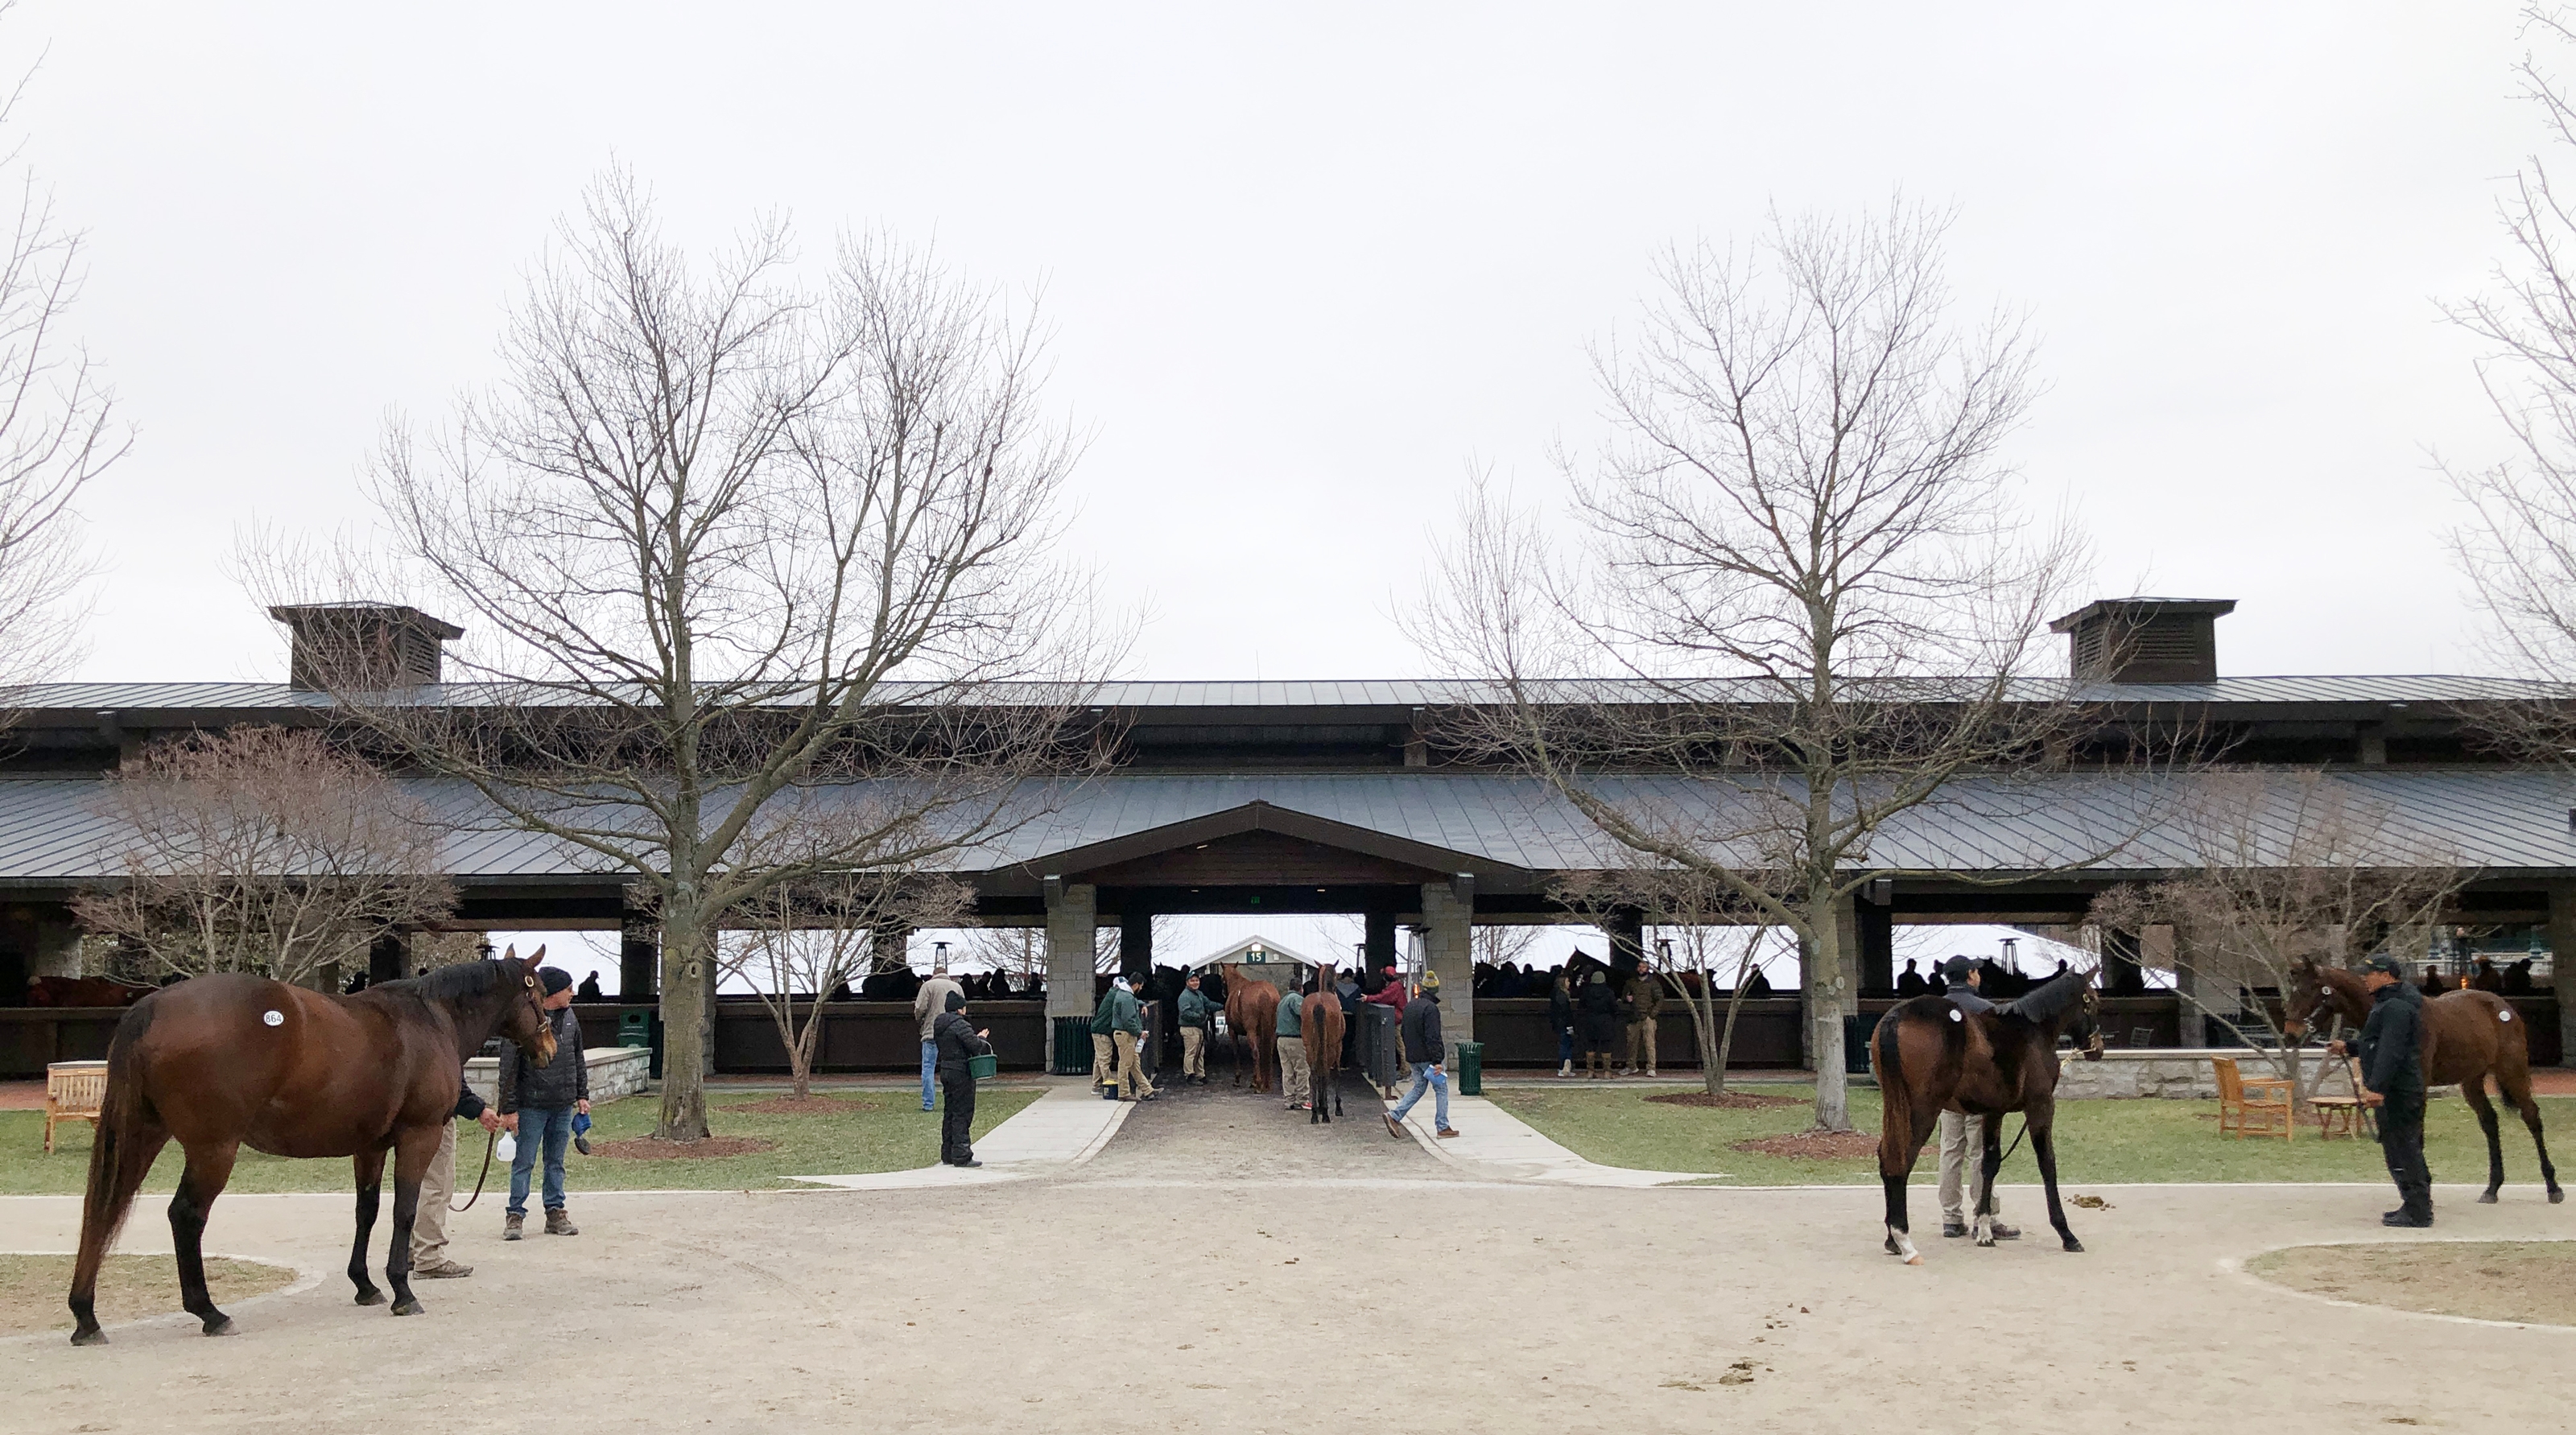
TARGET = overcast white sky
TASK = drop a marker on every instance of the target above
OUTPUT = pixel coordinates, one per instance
(1307, 264)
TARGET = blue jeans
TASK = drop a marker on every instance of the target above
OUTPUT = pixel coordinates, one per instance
(1565, 1046)
(1427, 1074)
(551, 1127)
(929, 1073)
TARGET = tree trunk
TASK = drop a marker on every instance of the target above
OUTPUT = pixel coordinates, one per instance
(1824, 982)
(1726, 1036)
(684, 1014)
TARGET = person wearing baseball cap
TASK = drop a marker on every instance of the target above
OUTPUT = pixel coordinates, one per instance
(1962, 1135)
(2392, 1064)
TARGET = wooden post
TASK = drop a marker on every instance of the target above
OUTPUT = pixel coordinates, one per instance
(639, 958)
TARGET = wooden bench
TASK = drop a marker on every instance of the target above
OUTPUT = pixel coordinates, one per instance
(2257, 1107)
(2342, 1115)
(74, 1091)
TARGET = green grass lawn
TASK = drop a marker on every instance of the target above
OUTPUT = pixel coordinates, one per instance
(2097, 1141)
(882, 1131)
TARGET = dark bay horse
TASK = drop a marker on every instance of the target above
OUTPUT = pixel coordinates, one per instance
(1930, 1055)
(2468, 1036)
(228, 1060)
(1321, 1020)
(1252, 1013)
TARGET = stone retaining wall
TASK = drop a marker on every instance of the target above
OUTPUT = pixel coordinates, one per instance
(615, 1071)
(2177, 1074)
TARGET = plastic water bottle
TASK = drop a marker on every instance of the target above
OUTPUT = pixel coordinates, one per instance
(508, 1147)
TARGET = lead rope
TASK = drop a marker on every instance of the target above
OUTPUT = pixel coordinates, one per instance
(492, 1140)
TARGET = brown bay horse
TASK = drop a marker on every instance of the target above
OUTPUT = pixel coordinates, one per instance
(1320, 1018)
(1930, 1056)
(227, 1060)
(1252, 1012)
(2468, 1036)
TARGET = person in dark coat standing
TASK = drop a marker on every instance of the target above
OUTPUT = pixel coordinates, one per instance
(958, 1043)
(1424, 1051)
(2392, 1064)
(538, 1104)
(1560, 1019)
(1600, 1003)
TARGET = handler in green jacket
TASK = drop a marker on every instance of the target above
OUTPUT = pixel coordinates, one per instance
(1196, 1012)
(1125, 1018)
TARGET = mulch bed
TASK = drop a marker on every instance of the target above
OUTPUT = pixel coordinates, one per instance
(1814, 1146)
(645, 1148)
(802, 1106)
(1726, 1101)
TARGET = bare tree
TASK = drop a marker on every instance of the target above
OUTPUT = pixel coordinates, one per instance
(2519, 545)
(58, 428)
(263, 850)
(1805, 561)
(1494, 945)
(2293, 867)
(1717, 942)
(808, 939)
(760, 574)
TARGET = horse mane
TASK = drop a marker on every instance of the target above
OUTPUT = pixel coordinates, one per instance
(2042, 1003)
(462, 982)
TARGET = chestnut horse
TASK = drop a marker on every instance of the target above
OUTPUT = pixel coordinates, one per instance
(1252, 1012)
(227, 1060)
(2468, 1036)
(1321, 1021)
(1931, 1055)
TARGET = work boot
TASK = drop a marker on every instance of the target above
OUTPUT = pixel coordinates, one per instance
(441, 1269)
(559, 1224)
(1393, 1130)
(2004, 1232)
(1954, 1229)
(511, 1223)
(1445, 1132)
(2406, 1219)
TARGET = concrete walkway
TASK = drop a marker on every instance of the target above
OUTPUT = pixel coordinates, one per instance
(1495, 1144)
(1060, 1130)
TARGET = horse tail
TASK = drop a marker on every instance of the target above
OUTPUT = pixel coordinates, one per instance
(118, 1147)
(1896, 1100)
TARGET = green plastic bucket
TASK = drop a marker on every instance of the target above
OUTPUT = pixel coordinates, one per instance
(983, 1068)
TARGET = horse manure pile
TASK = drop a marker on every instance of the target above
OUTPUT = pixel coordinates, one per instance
(1725, 1100)
(129, 1288)
(2525, 1281)
(646, 1148)
(1814, 1146)
(802, 1106)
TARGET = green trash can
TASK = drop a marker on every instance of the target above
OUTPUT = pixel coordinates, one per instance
(1073, 1046)
(635, 1029)
(1471, 1068)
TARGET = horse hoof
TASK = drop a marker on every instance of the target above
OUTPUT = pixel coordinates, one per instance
(371, 1296)
(2074, 1246)
(2556, 1196)
(2488, 1199)
(91, 1336)
(1915, 1260)
(407, 1307)
(220, 1325)
(1987, 1244)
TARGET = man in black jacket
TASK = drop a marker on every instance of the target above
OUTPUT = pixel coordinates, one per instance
(2392, 1064)
(958, 1043)
(1423, 1050)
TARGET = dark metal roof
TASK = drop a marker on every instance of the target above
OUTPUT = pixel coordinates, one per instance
(180, 698)
(2500, 819)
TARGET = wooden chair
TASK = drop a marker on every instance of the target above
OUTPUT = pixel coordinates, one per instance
(2260, 1107)
(2342, 1115)
(74, 1091)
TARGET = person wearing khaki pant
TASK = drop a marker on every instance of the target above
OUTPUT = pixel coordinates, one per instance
(1132, 1084)
(429, 1259)
(1296, 1076)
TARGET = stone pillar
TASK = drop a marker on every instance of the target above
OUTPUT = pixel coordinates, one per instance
(639, 959)
(1448, 945)
(389, 958)
(2562, 967)
(1072, 924)
(57, 949)
(1135, 937)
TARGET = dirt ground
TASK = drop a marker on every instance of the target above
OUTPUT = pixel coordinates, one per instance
(129, 1288)
(1223, 1265)
(2485, 1280)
